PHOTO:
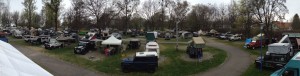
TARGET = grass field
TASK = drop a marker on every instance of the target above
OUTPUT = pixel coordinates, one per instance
(173, 66)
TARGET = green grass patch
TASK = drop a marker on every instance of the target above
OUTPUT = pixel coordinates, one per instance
(252, 71)
(112, 65)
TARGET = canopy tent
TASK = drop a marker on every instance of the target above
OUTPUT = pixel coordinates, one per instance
(213, 31)
(257, 37)
(112, 41)
(14, 63)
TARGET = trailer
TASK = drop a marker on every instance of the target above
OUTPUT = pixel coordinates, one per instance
(280, 53)
(194, 48)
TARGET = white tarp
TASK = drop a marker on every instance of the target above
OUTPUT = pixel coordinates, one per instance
(112, 41)
(14, 63)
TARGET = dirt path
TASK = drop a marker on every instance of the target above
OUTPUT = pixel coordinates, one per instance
(56, 66)
(235, 64)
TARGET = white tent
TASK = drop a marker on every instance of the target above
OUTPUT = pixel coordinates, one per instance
(112, 41)
(14, 63)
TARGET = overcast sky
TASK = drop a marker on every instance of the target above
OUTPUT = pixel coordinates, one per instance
(293, 5)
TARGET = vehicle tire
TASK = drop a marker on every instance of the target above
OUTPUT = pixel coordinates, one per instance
(51, 47)
(124, 70)
(191, 56)
(253, 48)
(257, 65)
(61, 46)
(152, 70)
(75, 52)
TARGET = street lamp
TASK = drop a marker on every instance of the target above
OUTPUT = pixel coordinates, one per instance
(261, 28)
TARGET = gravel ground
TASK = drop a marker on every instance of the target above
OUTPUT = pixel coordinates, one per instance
(236, 63)
(55, 66)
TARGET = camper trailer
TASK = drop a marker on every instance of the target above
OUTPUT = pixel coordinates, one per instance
(152, 47)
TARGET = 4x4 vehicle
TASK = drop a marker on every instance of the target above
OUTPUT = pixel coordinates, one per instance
(53, 43)
(134, 44)
(147, 61)
(194, 49)
(81, 48)
(291, 68)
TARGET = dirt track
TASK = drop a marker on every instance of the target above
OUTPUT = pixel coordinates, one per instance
(235, 64)
(56, 66)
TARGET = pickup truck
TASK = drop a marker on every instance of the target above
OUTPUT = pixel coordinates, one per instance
(147, 61)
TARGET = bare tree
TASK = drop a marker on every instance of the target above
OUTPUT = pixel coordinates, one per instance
(53, 8)
(6, 18)
(15, 18)
(96, 9)
(180, 11)
(266, 11)
(149, 9)
(29, 10)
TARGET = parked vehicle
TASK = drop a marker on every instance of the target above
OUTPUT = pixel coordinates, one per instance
(117, 35)
(151, 36)
(235, 38)
(44, 38)
(195, 34)
(81, 48)
(33, 40)
(134, 44)
(26, 38)
(147, 61)
(256, 44)
(17, 34)
(152, 47)
(222, 36)
(290, 69)
(53, 43)
(3, 37)
(194, 48)
(278, 54)
(168, 36)
(187, 35)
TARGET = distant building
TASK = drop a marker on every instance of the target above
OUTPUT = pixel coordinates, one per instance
(285, 26)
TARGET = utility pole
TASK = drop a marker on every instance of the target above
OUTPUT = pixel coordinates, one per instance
(126, 19)
(162, 13)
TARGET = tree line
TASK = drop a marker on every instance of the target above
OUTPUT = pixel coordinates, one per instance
(239, 16)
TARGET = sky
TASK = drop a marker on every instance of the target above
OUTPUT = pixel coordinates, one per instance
(292, 5)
